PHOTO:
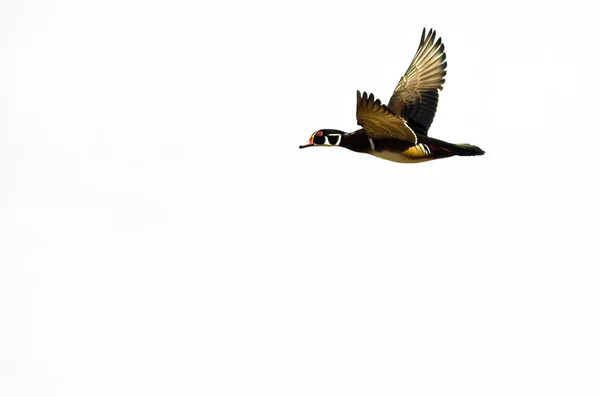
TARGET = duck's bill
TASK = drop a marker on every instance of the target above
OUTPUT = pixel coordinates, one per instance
(307, 144)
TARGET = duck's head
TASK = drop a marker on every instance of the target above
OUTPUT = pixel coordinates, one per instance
(324, 138)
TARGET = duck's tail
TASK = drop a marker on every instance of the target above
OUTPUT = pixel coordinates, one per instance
(465, 149)
(441, 149)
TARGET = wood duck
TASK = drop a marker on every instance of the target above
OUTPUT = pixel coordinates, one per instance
(398, 131)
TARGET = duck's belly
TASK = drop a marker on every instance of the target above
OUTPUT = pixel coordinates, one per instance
(401, 157)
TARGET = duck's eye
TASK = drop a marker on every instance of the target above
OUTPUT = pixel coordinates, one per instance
(320, 133)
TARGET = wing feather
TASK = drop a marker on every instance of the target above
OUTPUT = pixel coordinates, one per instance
(379, 122)
(415, 97)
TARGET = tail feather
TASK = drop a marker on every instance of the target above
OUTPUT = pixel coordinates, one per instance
(465, 149)
(440, 149)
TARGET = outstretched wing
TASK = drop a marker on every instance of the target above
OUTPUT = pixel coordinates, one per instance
(379, 122)
(416, 95)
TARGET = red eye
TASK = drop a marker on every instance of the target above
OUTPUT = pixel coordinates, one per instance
(320, 133)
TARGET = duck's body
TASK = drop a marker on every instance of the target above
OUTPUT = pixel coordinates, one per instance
(395, 149)
(398, 131)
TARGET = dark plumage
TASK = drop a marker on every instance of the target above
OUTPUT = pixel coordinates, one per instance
(398, 131)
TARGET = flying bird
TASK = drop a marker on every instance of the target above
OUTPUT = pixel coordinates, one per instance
(398, 131)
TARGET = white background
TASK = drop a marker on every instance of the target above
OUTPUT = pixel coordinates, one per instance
(162, 235)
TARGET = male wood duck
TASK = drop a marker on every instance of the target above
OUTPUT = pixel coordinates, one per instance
(398, 131)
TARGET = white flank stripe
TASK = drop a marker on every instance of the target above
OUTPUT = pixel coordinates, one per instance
(372, 144)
